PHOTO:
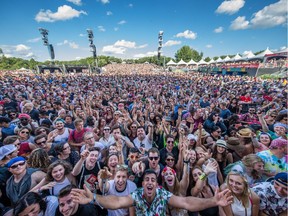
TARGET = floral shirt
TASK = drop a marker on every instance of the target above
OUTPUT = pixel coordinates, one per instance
(272, 163)
(270, 202)
(158, 206)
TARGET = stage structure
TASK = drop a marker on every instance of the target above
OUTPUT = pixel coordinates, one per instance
(160, 43)
(44, 33)
(92, 48)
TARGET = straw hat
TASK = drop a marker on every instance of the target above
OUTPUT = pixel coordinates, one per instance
(204, 133)
(245, 132)
(234, 144)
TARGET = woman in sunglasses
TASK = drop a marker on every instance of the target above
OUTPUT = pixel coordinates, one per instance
(245, 201)
(24, 134)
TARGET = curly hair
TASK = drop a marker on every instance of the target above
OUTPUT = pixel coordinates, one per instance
(67, 167)
(39, 159)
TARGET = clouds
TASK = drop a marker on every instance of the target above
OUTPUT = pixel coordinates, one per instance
(122, 22)
(219, 29)
(101, 28)
(76, 2)
(19, 50)
(120, 47)
(71, 44)
(171, 43)
(187, 34)
(64, 12)
(230, 6)
(270, 16)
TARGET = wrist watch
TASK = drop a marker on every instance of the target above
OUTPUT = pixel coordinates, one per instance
(93, 200)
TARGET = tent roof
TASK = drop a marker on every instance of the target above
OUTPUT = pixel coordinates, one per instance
(265, 52)
(192, 62)
(211, 61)
(181, 62)
(219, 60)
(227, 58)
(236, 57)
(202, 62)
(247, 56)
(171, 62)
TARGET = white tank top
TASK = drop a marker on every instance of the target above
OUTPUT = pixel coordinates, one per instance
(62, 137)
(239, 210)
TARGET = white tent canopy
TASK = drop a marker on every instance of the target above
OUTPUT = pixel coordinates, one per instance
(262, 54)
(211, 61)
(202, 62)
(236, 57)
(171, 62)
(192, 62)
(181, 62)
(247, 56)
(219, 60)
(227, 59)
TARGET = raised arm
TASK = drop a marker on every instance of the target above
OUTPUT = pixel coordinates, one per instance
(109, 202)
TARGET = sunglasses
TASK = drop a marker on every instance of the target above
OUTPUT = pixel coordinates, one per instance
(273, 116)
(12, 114)
(106, 129)
(42, 131)
(134, 157)
(170, 159)
(26, 132)
(23, 119)
(153, 158)
(170, 141)
(16, 165)
(40, 143)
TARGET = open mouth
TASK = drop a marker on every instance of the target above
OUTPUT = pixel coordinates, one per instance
(149, 189)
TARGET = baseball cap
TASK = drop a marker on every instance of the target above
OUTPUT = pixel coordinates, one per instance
(15, 160)
(6, 150)
(282, 178)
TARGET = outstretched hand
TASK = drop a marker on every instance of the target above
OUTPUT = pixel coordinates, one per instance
(223, 198)
(82, 196)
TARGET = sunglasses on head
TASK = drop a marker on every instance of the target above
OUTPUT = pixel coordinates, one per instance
(153, 158)
(16, 165)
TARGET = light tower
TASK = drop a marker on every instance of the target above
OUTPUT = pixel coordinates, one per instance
(92, 46)
(44, 33)
(160, 41)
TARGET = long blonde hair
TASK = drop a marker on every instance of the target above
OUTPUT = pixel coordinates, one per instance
(246, 192)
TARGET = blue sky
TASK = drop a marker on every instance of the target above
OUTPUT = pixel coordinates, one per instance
(129, 28)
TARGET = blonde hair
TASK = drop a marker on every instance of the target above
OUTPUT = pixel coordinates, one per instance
(251, 159)
(246, 192)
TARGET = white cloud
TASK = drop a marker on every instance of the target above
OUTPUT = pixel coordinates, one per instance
(64, 12)
(171, 43)
(208, 46)
(101, 29)
(105, 1)
(30, 55)
(76, 2)
(78, 58)
(148, 54)
(283, 48)
(246, 52)
(187, 34)
(109, 13)
(219, 29)
(110, 49)
(21, 48)
(230, 6)
(34, 40)
(128, 44)
(122, 22)
(71, 44)
(82, 35)
(271, 15)
(239, 23)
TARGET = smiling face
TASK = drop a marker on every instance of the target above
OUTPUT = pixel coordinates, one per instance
(220, 149)
(196, 173)
(265, 139)
(169, 177)
(153, 159)
(236, 184)
(121, 180)
(113, 162)
(66, 205)
(92, 157)
(170, 161)
(259, 167)
(192, 155)
(58, 173)
(150, 185)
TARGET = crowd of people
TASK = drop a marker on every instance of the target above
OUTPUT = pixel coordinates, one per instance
(135, 140)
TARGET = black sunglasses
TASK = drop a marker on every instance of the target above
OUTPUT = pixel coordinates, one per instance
(153, 158)
(16, 165)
